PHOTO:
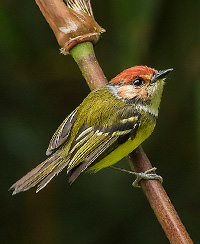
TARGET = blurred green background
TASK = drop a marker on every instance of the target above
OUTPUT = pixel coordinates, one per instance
(40, 87)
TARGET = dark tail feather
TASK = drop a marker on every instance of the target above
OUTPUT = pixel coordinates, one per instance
(41, 175)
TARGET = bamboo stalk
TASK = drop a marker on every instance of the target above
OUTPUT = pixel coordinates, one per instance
(84, 56)
(159, 201)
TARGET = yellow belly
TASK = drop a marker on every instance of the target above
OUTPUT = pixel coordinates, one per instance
(123, 150)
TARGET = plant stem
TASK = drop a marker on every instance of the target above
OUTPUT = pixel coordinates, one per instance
(159, 201)
(59, 15)
(84, 56)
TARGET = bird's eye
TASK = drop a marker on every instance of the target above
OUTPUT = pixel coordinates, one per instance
(138, 82)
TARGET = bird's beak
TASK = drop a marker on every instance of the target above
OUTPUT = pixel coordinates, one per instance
(160, 75)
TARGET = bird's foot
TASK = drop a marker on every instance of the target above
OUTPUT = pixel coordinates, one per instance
(147, 175)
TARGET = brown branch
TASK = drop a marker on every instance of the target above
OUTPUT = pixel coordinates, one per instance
(56, 14)
(85, 57)
(159, 201)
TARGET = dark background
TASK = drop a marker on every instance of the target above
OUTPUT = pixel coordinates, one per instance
(40, 87)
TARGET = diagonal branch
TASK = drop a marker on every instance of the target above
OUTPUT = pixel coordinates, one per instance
(73, 25)
(159, 201)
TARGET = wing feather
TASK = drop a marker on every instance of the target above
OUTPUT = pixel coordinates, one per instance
(91, 142)
(62, 133)
(89, 160)
(85, 148)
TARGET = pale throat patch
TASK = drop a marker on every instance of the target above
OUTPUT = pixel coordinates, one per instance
(156, 91)
(149, 108)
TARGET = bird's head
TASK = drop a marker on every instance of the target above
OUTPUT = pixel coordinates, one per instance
(140, 85)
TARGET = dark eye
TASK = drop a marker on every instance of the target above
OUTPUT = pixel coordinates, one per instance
(138, 82)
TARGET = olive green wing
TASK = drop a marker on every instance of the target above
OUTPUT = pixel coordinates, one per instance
(62, 133)
(91, 142)
(87, 154)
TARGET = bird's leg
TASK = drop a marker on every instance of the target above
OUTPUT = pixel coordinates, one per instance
(147, 175)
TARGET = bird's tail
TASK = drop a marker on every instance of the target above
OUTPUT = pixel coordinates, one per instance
(42, 174)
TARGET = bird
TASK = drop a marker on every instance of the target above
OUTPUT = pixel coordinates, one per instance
(111, 122)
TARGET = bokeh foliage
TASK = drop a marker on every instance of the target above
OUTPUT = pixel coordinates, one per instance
(39, 87)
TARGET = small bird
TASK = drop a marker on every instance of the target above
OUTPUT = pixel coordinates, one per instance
(109, 124)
